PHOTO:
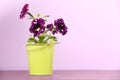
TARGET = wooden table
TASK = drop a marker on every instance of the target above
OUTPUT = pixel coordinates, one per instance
(63, 75)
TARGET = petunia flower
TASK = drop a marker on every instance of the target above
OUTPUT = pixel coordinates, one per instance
(37, 26)
(60, 26)
(24, 11)
(50, 27)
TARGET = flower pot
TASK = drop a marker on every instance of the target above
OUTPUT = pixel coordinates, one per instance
(40, 58)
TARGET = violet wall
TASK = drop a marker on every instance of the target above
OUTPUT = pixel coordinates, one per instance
(92, 42)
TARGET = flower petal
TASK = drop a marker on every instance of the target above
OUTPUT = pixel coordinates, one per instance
(24, 11)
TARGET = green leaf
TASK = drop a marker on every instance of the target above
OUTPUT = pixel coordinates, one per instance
(32, 40)
(38, 15)
(53, 37)
(41, 38)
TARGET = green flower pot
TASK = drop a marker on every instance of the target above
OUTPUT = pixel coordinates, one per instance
(40, 58)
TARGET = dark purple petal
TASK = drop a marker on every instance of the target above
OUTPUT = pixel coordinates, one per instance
(41, 30)
(64, 32)
(42, 21)
(50, 27)
(31, 29)
(24, 11)
(35, 33)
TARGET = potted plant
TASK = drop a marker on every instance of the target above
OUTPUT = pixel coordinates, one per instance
(40, 45)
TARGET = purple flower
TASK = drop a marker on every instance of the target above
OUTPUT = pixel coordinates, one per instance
(37, 26)
(24, 11)
(60, 26)
(50, 27)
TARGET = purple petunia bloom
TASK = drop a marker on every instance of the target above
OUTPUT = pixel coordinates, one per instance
(50, 27)
(37, 26)
(60, 26)
(24, 11)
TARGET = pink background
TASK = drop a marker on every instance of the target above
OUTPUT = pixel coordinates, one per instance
(92, 42)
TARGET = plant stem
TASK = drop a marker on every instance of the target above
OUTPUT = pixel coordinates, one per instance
(30, 14)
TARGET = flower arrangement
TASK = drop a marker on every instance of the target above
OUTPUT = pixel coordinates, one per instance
(42, 33)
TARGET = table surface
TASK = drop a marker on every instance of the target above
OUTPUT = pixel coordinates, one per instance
(63, 75)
